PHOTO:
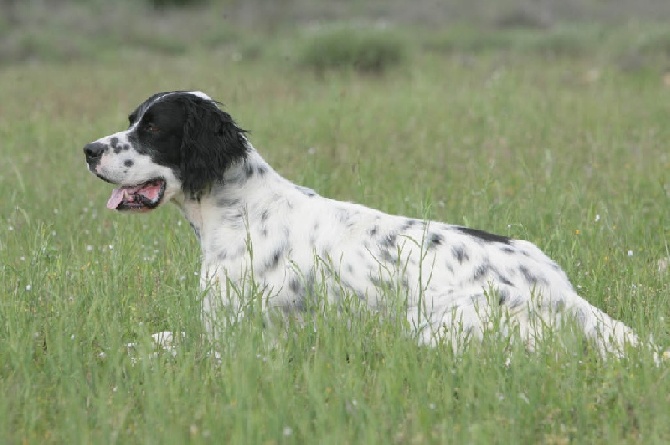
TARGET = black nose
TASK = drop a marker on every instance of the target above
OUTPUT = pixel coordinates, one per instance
(94, 151)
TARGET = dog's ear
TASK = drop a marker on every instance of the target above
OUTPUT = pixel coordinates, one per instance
(211, 142)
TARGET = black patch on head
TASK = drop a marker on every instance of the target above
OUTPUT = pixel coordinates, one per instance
(460, 254)
(128, 163)
(484, 236)
(434, 240)
(190, 134)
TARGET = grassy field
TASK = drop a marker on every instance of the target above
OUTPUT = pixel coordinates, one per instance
(568, 152)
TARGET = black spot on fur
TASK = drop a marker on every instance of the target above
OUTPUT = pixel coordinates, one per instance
(388, 240)
(227, 202)
(114, 142)
(373, 231)
(503, 296)
(387, 256)
(248, 170)
(305, 191)
(128, 163)
(273, 262)
(295, 286)
(508, 250)
(480, 272)
(504, 280)
(222, 255)
(528, 275)
(125, 147)
(265, 215)
(434, 240)
(484, 236)
(460, 254)
(262, 170)
(408, 224)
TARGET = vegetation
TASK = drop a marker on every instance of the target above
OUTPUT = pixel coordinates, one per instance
(565, 148)
(367, 51)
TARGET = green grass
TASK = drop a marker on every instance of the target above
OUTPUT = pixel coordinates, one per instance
(566, 152)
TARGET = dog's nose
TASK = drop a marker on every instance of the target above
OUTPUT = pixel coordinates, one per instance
(94, 151)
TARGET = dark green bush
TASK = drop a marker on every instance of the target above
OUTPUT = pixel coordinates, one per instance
(176, 3)
(367, 51)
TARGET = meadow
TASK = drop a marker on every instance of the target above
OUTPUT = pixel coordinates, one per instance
(567, 150)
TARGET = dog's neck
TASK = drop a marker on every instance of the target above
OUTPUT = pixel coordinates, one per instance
(248, 187)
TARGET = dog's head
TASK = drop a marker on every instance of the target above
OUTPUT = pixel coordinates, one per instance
(177, 142)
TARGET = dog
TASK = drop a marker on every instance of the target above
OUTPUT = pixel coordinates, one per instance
(259, 231)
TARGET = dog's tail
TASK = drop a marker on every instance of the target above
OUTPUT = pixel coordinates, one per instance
(611, 336)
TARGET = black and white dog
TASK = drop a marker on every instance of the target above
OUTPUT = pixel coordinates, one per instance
(258, 229)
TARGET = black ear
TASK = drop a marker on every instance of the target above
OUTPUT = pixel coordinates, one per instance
(211, 142)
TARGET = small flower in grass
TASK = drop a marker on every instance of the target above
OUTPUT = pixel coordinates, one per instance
(89, 248)
(288, 431)
(578, 232)
(597, 218)
(630, 253)
(431, 406)
(29, 287)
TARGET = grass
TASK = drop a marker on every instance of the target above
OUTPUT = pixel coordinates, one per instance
(567, 152)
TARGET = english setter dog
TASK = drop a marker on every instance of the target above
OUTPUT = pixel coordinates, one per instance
(257, 228)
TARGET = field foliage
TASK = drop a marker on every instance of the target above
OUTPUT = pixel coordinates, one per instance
(566, 148)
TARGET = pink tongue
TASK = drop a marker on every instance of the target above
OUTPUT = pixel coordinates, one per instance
(116, 198)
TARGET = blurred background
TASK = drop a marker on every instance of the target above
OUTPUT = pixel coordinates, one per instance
(632, 34)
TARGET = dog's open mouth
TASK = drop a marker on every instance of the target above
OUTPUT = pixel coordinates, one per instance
(144, 196)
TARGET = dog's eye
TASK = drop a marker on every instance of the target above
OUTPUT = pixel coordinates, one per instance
(151, 128)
